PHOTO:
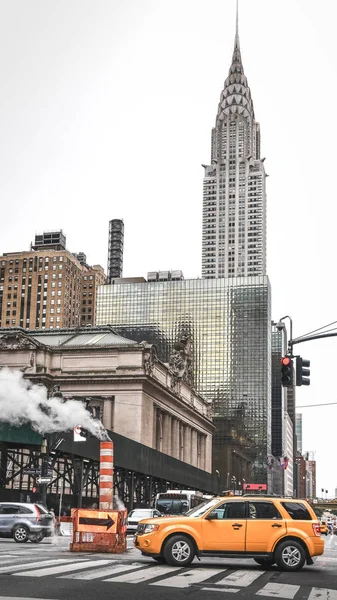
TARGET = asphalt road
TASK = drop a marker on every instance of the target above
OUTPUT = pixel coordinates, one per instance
(48, 571)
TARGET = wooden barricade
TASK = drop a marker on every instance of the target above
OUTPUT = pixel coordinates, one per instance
(99, 531)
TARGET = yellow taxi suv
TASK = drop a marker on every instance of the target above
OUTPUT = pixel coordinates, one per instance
(269, 530)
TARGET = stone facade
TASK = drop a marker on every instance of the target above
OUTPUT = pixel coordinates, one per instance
(135, 394)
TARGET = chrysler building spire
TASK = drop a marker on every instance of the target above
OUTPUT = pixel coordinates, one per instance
(234, 206)
(237, 39)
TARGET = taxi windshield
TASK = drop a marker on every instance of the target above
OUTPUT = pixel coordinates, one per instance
(202, 508)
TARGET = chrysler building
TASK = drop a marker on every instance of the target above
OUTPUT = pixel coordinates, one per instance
(234, 192)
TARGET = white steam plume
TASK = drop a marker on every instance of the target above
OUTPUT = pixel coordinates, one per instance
(22, 402)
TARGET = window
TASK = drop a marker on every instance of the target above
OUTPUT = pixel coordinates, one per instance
(297, 511)
(263, 510)
(231, 510)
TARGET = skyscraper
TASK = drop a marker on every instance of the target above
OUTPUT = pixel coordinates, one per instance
(234, 194)
(226, 315)
(115, 249)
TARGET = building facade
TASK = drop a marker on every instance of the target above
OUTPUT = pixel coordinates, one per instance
(234, 190)
(227, 325)
(47, 286)
(131, 390)
(161, 428)
(298, 430)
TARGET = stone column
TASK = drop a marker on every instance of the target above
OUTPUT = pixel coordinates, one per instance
(159, 430)
(175, 437)
(194, 448)
(202, 452)
(187, 444)
(208, 453)
(107, 413)
(167, 433)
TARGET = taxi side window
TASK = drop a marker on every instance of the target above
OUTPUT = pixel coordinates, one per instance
(297, 511)
(231, 510)
(263, 510)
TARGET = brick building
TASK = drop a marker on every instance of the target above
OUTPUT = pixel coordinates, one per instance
(47, 287)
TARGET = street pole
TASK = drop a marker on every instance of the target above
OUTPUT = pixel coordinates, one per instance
(44, 472)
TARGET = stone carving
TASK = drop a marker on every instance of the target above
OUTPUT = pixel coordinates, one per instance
(149, 360)
(16, 341)
(180, 361)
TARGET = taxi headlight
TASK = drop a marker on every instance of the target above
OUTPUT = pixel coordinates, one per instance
(149, 528)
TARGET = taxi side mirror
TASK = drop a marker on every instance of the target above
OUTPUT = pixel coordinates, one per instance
(211, 516)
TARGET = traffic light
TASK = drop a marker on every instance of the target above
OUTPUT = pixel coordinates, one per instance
(287, 371)
(302, 371)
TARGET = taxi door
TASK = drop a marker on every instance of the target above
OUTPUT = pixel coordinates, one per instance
(224, 529)
(265, 525)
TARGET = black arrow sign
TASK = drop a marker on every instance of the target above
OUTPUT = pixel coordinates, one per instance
(109, 522)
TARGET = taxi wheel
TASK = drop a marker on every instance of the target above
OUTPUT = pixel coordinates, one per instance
(265, 562)
(179, 551)
(290, 556)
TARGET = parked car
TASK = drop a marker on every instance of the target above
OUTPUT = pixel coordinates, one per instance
(23, 522)
(138, 514)
(269, 530)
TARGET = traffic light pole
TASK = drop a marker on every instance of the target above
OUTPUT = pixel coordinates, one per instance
(309, 338)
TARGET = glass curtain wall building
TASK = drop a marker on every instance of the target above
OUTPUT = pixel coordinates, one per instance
(229, 327)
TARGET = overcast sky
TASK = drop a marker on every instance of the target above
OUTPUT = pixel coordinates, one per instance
(106, 112)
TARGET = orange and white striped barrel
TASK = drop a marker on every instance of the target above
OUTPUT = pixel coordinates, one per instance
(106, 479)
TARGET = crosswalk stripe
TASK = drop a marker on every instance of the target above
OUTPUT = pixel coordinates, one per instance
(322, 594)
(31, 565)
(240, 578)
(279, 590)
(188, 578)
(105, 572)
(225, 590)
(74, 566)
(143, 574)
(18, 598)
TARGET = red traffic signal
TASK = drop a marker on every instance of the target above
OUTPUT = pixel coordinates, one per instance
(287, 371)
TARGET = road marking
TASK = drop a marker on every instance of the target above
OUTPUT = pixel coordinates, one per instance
(143, 575)
(279, 590)
(240, 578)
(19, 598)
(322, 594)
(188, 578)
(103, 572)
(31, 565)
(226, 590)
(74, 566)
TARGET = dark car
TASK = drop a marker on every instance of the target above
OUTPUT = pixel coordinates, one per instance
(24, 522)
